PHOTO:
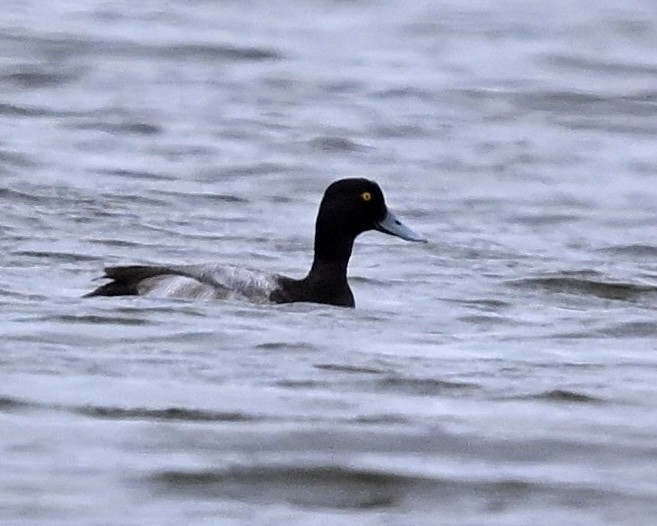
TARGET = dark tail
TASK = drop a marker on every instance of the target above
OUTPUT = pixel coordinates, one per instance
(125, 280)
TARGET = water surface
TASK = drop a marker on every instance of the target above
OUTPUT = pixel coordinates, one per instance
(505, 373)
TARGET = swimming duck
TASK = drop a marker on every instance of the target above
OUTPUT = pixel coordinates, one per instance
(349, 207)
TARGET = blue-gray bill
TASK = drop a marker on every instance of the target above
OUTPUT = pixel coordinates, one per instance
(393, 226)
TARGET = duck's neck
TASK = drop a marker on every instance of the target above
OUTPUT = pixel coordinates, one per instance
(332, 253)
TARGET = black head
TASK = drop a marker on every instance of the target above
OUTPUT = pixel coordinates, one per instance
(348, 208)
(352, 206)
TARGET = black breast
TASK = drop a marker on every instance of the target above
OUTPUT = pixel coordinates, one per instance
(313, 290)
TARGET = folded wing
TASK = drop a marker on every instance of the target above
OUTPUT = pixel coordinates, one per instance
(187, 281)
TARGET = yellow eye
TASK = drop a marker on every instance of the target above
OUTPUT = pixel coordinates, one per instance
(366, 196)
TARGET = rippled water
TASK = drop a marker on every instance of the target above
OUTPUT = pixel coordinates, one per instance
(505, 373)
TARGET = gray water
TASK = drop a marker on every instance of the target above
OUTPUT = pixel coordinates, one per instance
(503, 374)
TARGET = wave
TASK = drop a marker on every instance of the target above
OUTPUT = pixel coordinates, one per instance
(168, 414)
(351, 488)
(585, 284)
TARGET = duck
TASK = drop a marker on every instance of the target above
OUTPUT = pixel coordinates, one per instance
(348, 208)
